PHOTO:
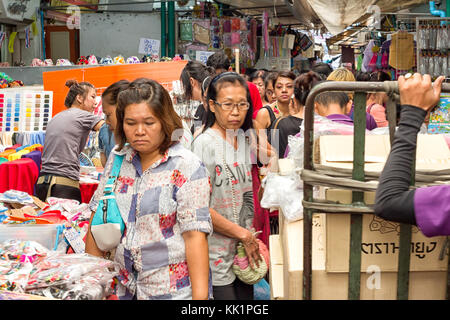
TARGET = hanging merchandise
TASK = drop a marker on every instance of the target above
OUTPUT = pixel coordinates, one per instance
(235, 24)
(235, 38)
(12, 37)
(27, 37)
(226, 25)
(423, 37)
(2, 37)
(401, 55)
(372, 66)
(305, 42)
(442, 38)
(253, 35)
(201, 32)
(368, 54)
(265, 31)
(359, 62)
(215, 33)
(227, 40)
(185, 30)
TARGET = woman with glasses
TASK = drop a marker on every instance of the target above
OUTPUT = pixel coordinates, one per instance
(224, 148)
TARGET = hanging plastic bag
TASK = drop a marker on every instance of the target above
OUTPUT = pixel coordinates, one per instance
(437, 65)
(423, 37)
(445, 65)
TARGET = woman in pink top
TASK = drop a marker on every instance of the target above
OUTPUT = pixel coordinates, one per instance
(375, 107)
(376, 101)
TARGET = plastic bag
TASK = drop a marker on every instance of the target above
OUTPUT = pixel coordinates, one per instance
(16, 263)
(445, 66)
(261, 290)
(94, 285)
(285, 192)
(291, 198)
(423, 37)
(437, 65)
(60, 269)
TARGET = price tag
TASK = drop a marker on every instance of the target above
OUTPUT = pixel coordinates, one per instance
(75, 240)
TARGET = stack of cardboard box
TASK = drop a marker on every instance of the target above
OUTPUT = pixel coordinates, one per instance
(380, 238)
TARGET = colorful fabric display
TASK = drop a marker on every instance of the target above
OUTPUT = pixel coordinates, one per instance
(18, 175)
(235, 38)
(37, 62)
(5, 154)
(235, 24)
(106, 60)
(82, 60)
(6, 138)
(63, 62)
(3, 83)
(92, 60)
(119, 60)
(17, 155)
(133, 59)
(226, 26)
(29, 138)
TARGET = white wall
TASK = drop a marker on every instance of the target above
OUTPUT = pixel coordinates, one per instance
(116, 34)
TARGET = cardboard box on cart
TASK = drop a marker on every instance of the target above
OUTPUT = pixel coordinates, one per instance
(423, 285)
(380, 280)
(380, 238)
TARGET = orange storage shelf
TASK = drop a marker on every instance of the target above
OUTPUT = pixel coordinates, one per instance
(103, 76)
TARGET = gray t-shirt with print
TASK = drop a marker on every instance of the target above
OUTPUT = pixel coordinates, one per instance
(212, 150)
(65, 139)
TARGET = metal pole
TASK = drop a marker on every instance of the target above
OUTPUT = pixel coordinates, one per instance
(163, 29)
(171, 29)
(44, 55)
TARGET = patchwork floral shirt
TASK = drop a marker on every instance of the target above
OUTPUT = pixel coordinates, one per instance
(157, 206)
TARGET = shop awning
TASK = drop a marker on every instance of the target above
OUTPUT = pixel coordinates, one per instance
(334, 15)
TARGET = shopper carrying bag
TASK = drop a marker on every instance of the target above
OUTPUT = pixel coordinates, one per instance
(162, 193)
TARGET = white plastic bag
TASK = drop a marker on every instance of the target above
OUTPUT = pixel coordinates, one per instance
(285, 192)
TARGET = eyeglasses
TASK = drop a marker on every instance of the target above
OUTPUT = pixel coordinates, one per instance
(228, 106)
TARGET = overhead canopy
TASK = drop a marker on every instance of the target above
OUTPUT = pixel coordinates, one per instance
(334, 15)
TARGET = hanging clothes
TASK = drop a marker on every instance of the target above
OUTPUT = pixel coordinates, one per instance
(368, 54)
(401, 51)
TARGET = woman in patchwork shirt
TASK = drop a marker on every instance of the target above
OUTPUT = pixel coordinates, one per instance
(163, 195)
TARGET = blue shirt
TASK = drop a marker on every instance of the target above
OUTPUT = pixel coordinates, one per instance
(106, 140)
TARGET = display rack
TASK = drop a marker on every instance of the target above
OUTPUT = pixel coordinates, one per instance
(432, 49)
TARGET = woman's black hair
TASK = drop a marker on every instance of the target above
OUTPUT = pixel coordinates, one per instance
(258, 74)
(76, 89)
(197, 71)
(362, 76)
(112, 92)
(213, 90)
(303, 85)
